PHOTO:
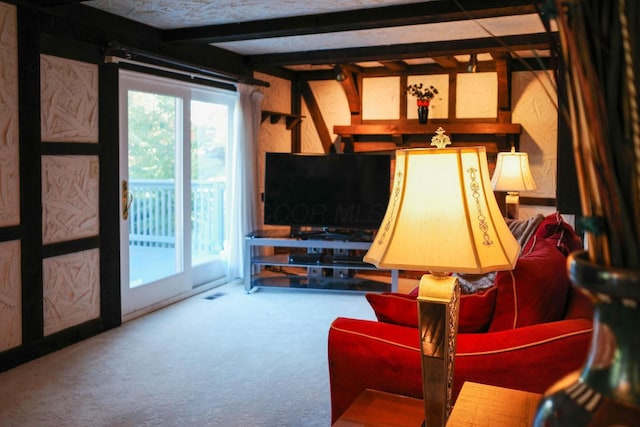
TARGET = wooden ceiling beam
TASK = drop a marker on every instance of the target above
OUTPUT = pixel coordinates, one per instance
(350, 88)
(447, 62)
(395, 66)
(499, 55)
(380, 17)
(54, 3)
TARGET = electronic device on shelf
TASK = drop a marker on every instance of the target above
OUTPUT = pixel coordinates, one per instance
(346, 259)
(339, 193)
(305, 258)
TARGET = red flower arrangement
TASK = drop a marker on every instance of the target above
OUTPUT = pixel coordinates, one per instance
(424, 95)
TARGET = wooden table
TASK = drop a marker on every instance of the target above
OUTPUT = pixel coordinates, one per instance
(477, 405)
(486, 405)
(377, 409)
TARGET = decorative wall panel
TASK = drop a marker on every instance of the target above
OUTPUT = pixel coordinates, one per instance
(70, 197)
(9, 158)
(381, 98)
(477, 95)
(69, 96)
(10, 295)
(71, 290)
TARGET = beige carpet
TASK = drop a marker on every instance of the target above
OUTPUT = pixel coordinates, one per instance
(234, 360)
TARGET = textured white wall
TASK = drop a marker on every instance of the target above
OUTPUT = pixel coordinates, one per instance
(70, 198)
(9, 174)
(381, 98)
(273, 137)
(70, 192)
(69, 96)
(335, 111)
(439, 106)
(533, 103)
(10, 259)
(71, 290)
(477, 95)
(10, 295)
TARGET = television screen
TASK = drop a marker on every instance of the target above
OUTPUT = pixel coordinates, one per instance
(337, 191)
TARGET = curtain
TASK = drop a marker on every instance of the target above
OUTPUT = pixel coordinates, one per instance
(243, 192)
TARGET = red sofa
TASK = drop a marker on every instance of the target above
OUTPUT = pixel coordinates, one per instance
(526, 331)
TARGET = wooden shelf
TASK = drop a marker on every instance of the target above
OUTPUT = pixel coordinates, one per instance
(401, 133)
(274, 117)
(420, 129)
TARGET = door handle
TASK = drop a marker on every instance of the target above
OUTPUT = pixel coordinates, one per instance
(127, 199)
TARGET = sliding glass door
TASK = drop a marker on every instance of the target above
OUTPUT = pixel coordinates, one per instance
(173, 171)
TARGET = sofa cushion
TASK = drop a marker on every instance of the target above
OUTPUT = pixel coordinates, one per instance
(522, 230)
(554, 228)
(535, 291)
(476, 309)
(396, 308)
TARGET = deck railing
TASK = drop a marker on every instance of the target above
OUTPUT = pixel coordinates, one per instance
(152, 214)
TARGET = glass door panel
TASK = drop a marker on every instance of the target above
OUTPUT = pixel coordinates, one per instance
(174, 140)
(209, 136)
(153, 213)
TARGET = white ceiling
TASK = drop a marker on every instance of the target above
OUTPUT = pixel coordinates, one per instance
(172, 14)
(501, 26)
(179, 14)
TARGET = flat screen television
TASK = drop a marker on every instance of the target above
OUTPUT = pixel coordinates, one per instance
(334, 191)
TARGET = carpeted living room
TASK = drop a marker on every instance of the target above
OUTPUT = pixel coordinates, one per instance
(222, 358)
(300, 213)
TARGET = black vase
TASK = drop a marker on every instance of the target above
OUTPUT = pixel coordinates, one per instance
(606, 391)
(423, 114)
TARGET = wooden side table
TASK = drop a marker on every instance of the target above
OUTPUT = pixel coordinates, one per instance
(375, 408)
(478, 405)
(486, 405)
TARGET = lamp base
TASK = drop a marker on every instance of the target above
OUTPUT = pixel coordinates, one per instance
(512, 201)
(438, 305)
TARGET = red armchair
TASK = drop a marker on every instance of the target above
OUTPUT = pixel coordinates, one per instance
(531, 328)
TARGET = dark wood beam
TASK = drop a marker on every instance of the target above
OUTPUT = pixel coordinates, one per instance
(395, 66)
(350, 89)
(316, 116)
(381, 17)
(525, 42)
(447, 62)
(504, 87)
(296, 109)
(53, 3)
(538, 201)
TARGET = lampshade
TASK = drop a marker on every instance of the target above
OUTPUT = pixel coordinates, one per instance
(443, 216)
(512, 173)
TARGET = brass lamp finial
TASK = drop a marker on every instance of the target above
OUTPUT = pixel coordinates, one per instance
(440, 140)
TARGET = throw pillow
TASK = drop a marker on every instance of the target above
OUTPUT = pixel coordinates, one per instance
(553, 227)
(522, 230)
(535, 291)
(396, 308)
(476, 309)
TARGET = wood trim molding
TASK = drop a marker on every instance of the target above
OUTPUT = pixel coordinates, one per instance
(397, 128)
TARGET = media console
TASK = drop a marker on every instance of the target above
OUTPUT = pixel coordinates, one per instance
(314, 261)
